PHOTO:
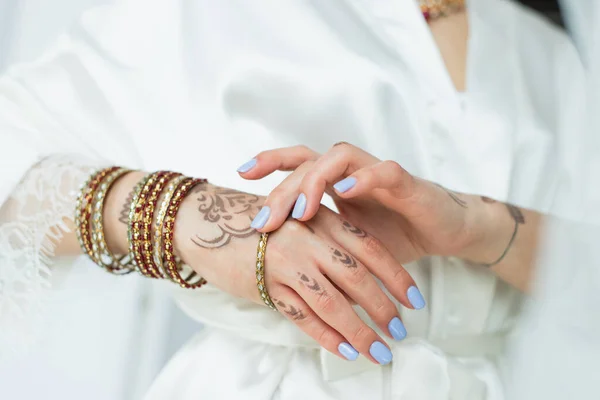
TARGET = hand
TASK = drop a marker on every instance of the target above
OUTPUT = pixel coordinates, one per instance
(410, 216)
(309, 269)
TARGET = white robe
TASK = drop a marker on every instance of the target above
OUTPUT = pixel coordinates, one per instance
(199, 87)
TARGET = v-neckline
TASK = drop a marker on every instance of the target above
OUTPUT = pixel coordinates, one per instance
(425, 59)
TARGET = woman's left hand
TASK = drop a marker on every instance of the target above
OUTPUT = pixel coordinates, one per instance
(410, 216)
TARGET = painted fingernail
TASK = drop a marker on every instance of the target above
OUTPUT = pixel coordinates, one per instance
(397, 329)
(299, 207)
(247, 166)
(261, 218)
(345, 184)
(415, 297)
(348, 351)
(380, 353)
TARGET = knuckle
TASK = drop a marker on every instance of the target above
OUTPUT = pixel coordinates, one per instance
(357, 276)
(393, 166)
(327, 303)
(373, 247)
(325, 337)
(294, 227)
(361, 334)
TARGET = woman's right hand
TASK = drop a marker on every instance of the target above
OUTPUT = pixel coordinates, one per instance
(312, 270)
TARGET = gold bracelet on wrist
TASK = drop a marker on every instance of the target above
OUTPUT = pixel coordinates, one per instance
(133, 225)
(83, 210)
(260, 271)
(158, 224)
(102, 255)
(148, 209)
(173, 268)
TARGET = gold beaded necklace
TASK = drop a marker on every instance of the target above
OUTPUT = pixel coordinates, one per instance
(433, 9)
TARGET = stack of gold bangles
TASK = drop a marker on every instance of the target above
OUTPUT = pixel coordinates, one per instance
(150, 227)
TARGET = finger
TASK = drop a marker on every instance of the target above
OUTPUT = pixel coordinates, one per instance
(388, 175)
(337, 163)
(281, 200)
(291, 305)
(331, 306)
(357, 281)
(377, 259)
(283, 159)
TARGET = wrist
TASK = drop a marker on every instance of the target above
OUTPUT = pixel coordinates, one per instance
(488, 227)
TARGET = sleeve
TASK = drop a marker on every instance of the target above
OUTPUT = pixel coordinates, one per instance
(58, 124)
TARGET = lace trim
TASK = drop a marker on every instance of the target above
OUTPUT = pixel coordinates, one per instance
(32, 222)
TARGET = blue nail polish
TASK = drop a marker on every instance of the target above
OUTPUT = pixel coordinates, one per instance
(415, 297)
(380, 353)
(247, 166)
(348, 351)
(261, 218)
(397, 329)
(345, 184)
(299, 207)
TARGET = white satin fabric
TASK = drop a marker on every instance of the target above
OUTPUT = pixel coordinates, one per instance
(200, 87)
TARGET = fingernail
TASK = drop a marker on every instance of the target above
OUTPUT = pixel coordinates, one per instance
(415, 297)
(299, 207)
(261, 218)
(345, 184)
(348, 351)
(247, 166)
(380, 353)
(397, 329)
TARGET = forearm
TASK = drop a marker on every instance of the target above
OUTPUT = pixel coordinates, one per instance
(492, 228)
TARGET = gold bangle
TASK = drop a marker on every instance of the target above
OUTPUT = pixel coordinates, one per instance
(260, 271)
(83, 210)
(134, 225)
(158, 224)
(148, 211)
(103, 256)
(172, 267)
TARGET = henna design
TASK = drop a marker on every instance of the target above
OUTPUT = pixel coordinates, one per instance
(487, 200)
(294, 313)
(311, 284)
(340, 143)
(453, 196)
(346, 259)
(230, 210)
(353, 229)
(124, 214)
(516, 213)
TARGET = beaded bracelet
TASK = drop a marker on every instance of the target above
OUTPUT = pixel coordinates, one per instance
(83, 210)
(158, 224)
(146, 243)
(172, 267)
(260, 271)
(103, 257)
(134, 226)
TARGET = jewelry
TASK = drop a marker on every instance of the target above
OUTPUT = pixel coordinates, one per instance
(172, 266)
(102, 255)
(433, 9)
(518, 217)
(260, 271)
(83, 210)
(134, 226)
(155, 189)
(158, 224)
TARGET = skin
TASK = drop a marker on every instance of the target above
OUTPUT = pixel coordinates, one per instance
(314, 289)
(412, 217)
